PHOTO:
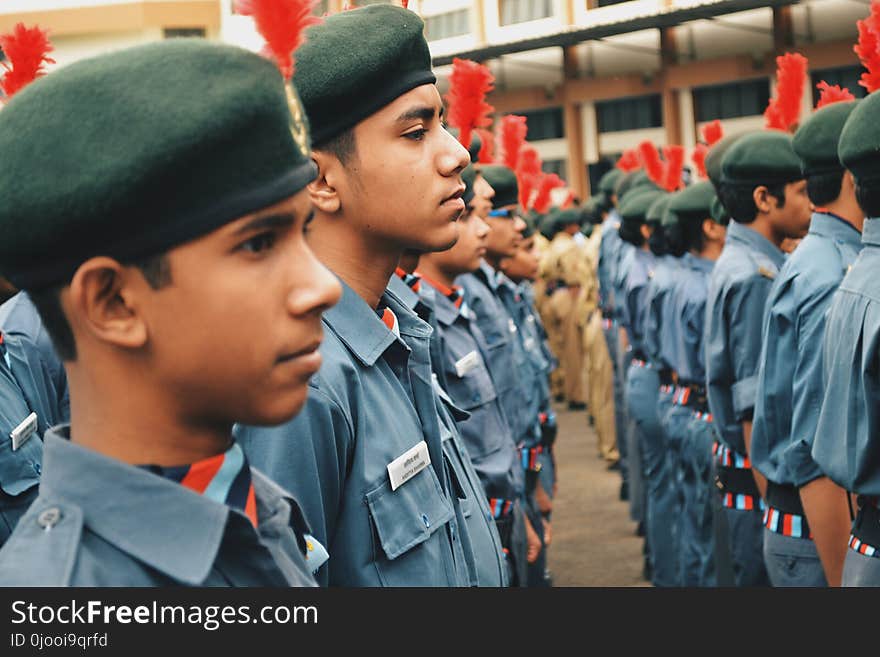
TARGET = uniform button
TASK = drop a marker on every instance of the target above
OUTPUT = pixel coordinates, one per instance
(49, 518)
(37, 468)
(426, 521)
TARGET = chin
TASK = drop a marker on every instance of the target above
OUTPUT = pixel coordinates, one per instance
(282, 409)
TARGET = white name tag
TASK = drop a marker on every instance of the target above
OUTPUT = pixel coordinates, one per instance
(467, 363)
(316, 554)
(529, 344)
(408, 465)
(23, 432)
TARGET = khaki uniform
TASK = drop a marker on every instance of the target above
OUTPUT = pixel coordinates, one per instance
(598, 364)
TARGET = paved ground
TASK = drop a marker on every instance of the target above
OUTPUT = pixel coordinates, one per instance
(594, 541)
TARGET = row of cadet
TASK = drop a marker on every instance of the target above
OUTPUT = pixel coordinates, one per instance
(182, 237)
(741, 321)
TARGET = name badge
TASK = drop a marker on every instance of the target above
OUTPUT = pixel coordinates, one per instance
(316, 554)
(511, 325)
(408, 465)
(23, 432)
(467, 363)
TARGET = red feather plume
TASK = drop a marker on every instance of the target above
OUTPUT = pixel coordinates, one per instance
(868, 48)
(487, 150)
(783, 112)
(674, 156)
(832, 94)
(25, 49)
(629, 161)
(698, 155)
(282, 23)
(467, 109)
(404, 4)
(712, 132)
(651, 162)
(569, 199)
(513, 136)
(548, 182)
(528, 171)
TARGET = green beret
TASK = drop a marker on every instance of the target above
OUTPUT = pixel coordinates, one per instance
(548, 226)
(655, 213)
(503, 181)
(859, 147)
(637, 204)
(719, 213)
(567, 217)
(468, 176)
(475, 147)
(816, 139)
(632, 181)
(761, 158)
(716, 155)
(608, 181)
(132, 153)
(587, 229)
(591, 211)
(356, 62)
(696, 199)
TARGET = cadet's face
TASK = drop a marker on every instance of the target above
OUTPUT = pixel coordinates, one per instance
(470, 248)
(524, 264)
(793, 219)
(506, 232)
(483, 195)
(406, 182)
(235, 335)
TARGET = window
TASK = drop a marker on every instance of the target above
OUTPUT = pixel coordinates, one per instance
(520, 11)
(630, 113)
(729, 101)
(847, 77)
(554, 166)
(176, 32)
(545, 124)
(451, 24)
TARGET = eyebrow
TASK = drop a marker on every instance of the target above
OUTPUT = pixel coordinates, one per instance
(282, 220)
(424, 113)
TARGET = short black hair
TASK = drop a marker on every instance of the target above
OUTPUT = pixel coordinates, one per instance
(630, 231)
(658, 242)
(824, 188)
(740, 202)
(690, 225)
(156, 270)
(343, 146)
(868, 198)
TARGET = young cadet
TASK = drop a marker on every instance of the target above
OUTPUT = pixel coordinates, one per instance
(790, 385)
(765, 194)
(182, 241)
(481, 432)
(506, 358)
(367, 459)
(642, 388)
(699, 235)
(845, 443)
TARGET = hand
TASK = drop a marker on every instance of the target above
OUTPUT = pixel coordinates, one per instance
(548, 533)
(545, 504)
(533, 542)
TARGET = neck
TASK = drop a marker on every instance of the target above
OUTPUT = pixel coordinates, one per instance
(358, 258)
(711, 251)
(493, 260)
(761, 226)
(429, 268)
(849, 211)
(130, 419)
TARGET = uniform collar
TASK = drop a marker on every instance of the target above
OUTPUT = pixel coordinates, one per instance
(489, 275)
(871, 232)
(834, 227)
(360, 329)
(124, 505)
(444, 310)
(737, 232)
(700, 264)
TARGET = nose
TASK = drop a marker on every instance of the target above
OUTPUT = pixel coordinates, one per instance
(518, 224)
(482, 227)
(315, 288)
(453, 157)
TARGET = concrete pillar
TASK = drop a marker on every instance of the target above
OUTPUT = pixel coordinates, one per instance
(669, 95)
(574, 132)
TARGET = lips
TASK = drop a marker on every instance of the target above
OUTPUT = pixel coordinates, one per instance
(455, 195)
(306, 351)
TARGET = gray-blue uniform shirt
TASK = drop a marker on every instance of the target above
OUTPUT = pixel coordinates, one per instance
(372, 402)
(29, 405)
(848, 433)
(638, 267)
(100, 522)
(688, 304)
(660, 327)
(738, 290)
(790, 383)
(609, 247)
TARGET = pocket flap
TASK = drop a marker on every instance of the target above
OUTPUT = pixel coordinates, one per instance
(409, 515)
(20, 469)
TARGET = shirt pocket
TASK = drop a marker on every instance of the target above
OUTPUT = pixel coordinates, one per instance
(20, 469)
(406, 521)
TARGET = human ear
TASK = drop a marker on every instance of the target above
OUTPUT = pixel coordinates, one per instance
(323, 190)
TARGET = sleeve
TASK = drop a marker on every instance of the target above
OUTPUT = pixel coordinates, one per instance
(744, 312)
(808, 388)
(309, 456)
(773, 381)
